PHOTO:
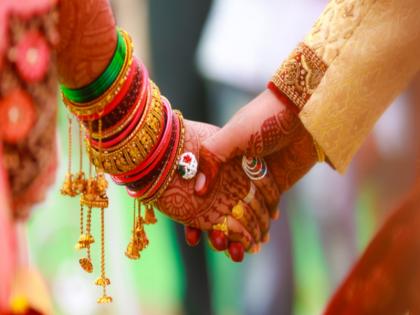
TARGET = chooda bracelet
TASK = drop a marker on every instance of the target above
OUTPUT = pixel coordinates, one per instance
(130, 132)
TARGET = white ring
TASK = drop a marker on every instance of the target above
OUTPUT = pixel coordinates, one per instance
(252, 172)
(187, 165)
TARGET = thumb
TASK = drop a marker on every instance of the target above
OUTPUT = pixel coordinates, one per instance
(209, 165)
(215, 150)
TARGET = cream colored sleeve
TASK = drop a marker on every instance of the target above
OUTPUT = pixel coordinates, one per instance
(369, 51)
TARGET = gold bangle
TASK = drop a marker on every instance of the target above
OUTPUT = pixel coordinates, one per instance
(96, 106)
(319, 152)
(300, 75)
(133, 150)
(169, 178)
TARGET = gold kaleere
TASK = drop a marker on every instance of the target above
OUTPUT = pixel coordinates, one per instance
(150, 217)
(103, 280)
(67, 186)
(133, 251)
(139, 240)
(79, 182)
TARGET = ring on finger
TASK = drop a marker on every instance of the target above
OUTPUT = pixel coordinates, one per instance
(238, 210)
(223, 227)
(255, 168)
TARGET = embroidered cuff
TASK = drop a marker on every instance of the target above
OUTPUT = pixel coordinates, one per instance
(300, 75)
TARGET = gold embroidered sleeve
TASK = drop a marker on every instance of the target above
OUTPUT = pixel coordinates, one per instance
(374, 66)
(362, 54)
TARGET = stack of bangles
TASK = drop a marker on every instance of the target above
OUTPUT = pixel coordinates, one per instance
(131, 133)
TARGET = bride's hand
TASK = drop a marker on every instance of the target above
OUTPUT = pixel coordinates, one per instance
(246, 225)
(87, 43)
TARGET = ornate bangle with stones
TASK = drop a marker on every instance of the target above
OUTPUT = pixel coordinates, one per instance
(134, 149)
(147, 181)
(300, 75)
(140, 186)
(112, 143)
(126, 106)
(122, 93)
(156, 154)
(125, 112)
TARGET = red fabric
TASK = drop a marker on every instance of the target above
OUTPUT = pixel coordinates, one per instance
(8, 244)
(386, 279)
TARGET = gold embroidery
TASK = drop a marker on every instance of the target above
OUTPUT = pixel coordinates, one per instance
(300, 74)
(373, 67)
(335, 26)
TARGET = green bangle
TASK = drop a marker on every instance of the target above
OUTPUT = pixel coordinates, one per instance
(96, 88)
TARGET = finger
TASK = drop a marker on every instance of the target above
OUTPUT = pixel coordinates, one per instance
(247, 217)
(268, 188)
(192, 236)
(275, 215)
(218, 240)
(229, 230)
(238, 233)
(262, 212)
(208, 168)
(236, 251)
(255, 132)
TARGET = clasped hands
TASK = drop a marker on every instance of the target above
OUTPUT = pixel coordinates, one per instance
(222, 200)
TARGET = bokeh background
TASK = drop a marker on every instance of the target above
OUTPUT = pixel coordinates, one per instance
(210, 58)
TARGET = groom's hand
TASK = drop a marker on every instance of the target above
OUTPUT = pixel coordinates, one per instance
(266, 127)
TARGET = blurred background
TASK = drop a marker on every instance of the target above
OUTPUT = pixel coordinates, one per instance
(210, 58)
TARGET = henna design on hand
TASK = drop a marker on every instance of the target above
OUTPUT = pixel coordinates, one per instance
(293, 162)
(275, 132)
(231, 185)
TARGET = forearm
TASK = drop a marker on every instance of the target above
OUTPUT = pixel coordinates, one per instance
(87, 40)
(260, 128)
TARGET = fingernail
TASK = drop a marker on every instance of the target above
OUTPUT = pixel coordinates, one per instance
(192, 236)
(236, 251)
(200, 183)
(218, 240)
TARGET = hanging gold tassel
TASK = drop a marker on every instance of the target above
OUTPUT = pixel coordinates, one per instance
(67, 186)
(133, 251)
(86, 241)
(139, 240)
(150, 217)
(79, 183)
(103, 280)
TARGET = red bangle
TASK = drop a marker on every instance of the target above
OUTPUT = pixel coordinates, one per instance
(168, 167)
(166, 170)
(110, 143)
(117, 99)
(149, 164)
